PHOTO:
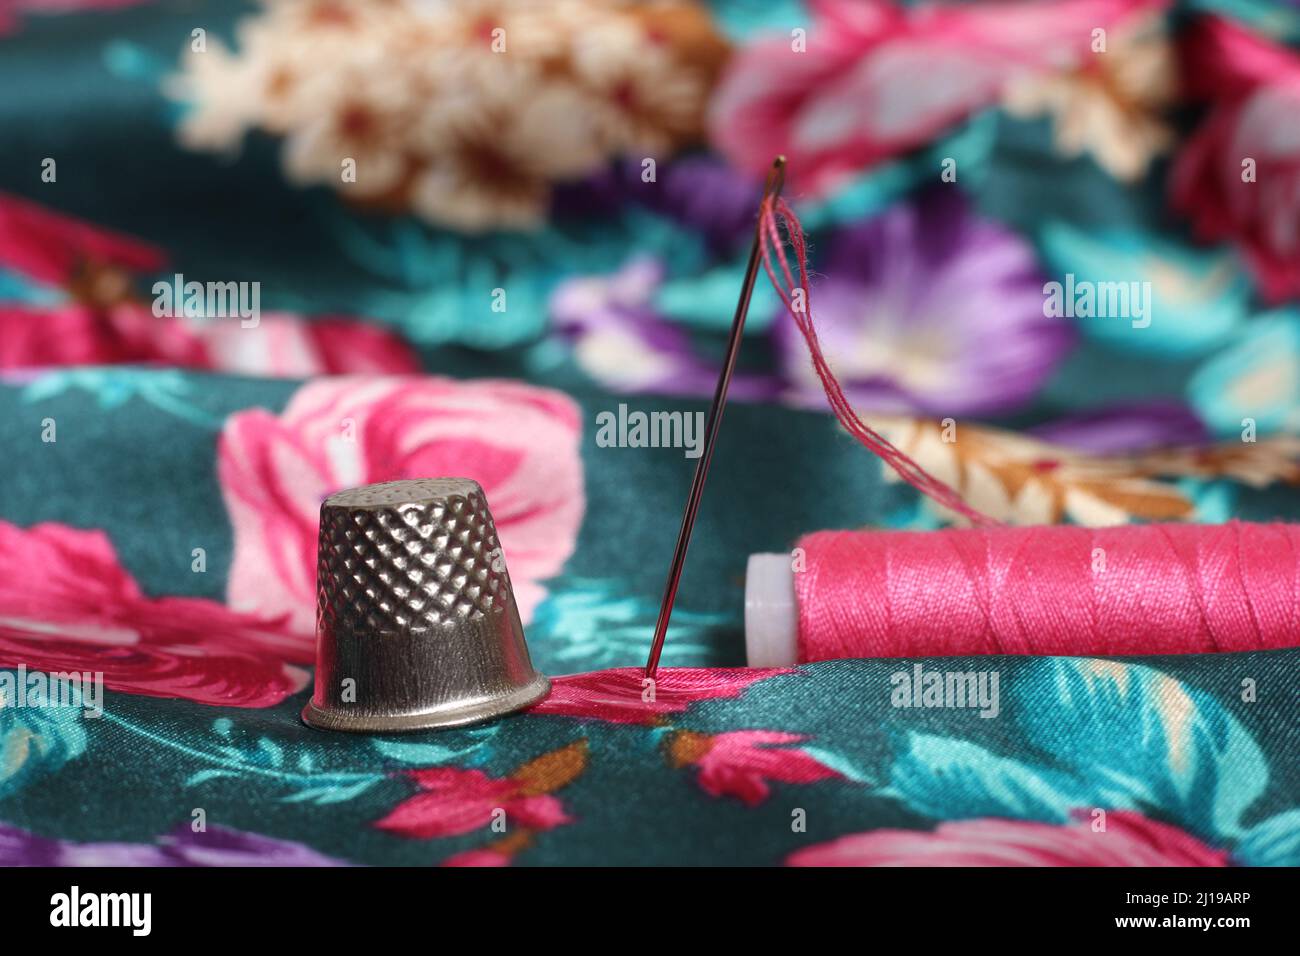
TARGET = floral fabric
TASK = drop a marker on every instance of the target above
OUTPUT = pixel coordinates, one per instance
(531, 236)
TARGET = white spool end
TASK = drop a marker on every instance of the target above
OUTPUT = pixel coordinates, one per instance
(771, 615)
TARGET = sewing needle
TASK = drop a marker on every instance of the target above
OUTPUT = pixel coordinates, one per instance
(771, 189)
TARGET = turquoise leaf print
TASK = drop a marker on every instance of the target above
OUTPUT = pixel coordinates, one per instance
(16, 287)
(311, 773)
(706, 301)
(1263, 16)
(743, 19)
(1257, 378)
(38, 737)
(112, 388)
(420, 754)
(1213, 502)
(587, 625)
(939, 774)
(1114, 736)
(1171, 744)
(1197, 298)
(1273, 842)
(493, 291)
(869, 193)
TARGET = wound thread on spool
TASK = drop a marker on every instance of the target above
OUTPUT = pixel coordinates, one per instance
(1054, 590)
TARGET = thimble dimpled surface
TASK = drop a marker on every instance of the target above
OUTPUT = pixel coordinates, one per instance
(415, 608)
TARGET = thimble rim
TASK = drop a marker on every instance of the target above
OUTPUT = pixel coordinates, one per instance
(402, 491)
(458, 714)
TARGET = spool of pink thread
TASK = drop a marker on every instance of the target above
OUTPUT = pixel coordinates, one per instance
(1056, 590)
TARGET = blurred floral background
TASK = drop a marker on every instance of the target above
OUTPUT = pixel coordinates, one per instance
(565, 191)
(474, 226)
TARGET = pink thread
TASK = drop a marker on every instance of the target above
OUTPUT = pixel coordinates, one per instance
(907, 469)
(1150, 589)
(1057, 590)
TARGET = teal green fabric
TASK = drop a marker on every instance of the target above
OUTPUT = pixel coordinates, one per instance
(907, 770)
(1177, 750)
(161, 472)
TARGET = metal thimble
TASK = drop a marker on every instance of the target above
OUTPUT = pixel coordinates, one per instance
(416, 624)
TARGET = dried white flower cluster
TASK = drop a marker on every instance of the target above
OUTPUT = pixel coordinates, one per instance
(464, 112)
(1112, 105)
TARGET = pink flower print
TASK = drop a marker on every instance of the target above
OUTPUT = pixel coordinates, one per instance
(877, 79)
(99, 315)
(1253, 86)
(454, 801)
(741, 763)
(66, 604)
(1129, 839)
(619, 696)
(517, 441)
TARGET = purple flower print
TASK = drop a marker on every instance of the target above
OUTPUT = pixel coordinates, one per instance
(927, 308)
(621, 341)
(217, 846)
(700, 193)
(1124, 429)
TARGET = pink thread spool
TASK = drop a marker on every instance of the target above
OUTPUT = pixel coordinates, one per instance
(1056, 590)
